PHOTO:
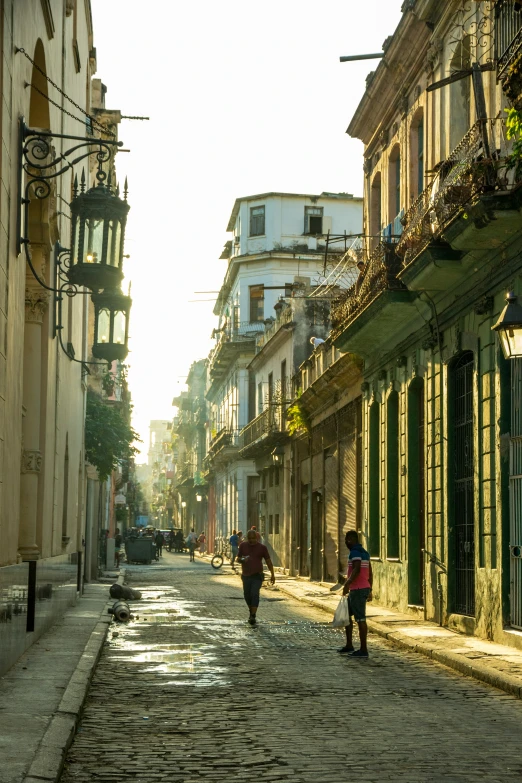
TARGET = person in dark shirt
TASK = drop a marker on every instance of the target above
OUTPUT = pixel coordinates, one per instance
(234, 547)
(251, 556)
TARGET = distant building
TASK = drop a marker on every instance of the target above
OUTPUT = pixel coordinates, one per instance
(278, 251)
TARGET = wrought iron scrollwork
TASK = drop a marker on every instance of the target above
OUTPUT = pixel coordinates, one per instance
(379, 274)
(41, 166)
(461, 178)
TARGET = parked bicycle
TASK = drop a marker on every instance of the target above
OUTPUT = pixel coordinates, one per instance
(223, 553)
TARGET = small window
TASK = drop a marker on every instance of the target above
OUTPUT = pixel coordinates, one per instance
(270, 523)
(313, 220)
(259, 398)
(276, 524)
(257, 303)
(257, 221)
(276, 476)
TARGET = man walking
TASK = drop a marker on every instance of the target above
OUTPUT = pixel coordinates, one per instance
(192, 540)
(234, 547)
(251, 556)
(358, 587)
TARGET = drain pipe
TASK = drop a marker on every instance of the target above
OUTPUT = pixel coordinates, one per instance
(442, 570)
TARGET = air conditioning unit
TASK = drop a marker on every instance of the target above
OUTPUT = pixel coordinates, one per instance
(261, 496)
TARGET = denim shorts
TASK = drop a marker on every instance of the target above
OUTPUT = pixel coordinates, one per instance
(357, 603)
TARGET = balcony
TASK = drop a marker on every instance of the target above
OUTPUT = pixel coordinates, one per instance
(232, 339)
(368, 315)
(223, 447)
(508, 49)
(469, 207)
(393, 231)
(264, 432)
(284, 318)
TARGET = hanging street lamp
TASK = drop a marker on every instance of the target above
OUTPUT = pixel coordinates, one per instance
(111, 324)
(98, 218)
(278, 455)
(509, 328)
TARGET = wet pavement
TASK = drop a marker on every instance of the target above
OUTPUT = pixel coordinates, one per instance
(188, 691)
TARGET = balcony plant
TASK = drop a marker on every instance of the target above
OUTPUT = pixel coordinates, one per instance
(514, 133)
(297, 417)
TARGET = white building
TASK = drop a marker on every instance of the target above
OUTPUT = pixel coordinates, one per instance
(277, 251)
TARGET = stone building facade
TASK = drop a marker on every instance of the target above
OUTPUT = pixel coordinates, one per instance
(440, 506)
(42, 387)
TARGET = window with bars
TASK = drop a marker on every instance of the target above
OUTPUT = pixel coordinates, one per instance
(257, 221)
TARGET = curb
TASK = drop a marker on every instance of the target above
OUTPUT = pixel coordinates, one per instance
(461, 664)
(49, 759)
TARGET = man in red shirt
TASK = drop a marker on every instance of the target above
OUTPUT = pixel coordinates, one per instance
(358, 587)
(251, 555)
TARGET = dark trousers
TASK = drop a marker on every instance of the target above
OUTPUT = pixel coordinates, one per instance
(251, 587)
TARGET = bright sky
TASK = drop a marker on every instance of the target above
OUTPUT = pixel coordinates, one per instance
(243, 98)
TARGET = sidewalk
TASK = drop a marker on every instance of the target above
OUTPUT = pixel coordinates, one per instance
(42, 695)
(492, 663)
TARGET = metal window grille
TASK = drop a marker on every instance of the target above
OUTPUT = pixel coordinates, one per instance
(515, 494)
(463, 485)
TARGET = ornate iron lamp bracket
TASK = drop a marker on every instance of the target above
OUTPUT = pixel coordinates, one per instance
(40, 165)
(65, 288)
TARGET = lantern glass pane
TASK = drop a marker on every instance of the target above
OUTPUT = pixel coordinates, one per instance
(104, 326)
(76, 246)
(113, 244)
(119, 328)
(511, 339)
(93, 241)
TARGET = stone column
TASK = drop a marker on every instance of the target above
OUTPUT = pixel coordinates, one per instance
(36, 303)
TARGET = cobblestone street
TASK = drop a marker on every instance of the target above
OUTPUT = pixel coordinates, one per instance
(189, 691)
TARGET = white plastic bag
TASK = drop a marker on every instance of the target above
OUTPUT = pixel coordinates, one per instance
(342, 614)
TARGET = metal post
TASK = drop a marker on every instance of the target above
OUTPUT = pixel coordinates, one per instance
(31, 596)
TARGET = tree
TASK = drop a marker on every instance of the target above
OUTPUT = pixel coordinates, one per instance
(108, 435)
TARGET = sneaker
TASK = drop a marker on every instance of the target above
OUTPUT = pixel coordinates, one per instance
(252, 619)
(359, 654)
(346, 650)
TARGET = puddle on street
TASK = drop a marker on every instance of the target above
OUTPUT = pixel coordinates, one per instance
(195, 662)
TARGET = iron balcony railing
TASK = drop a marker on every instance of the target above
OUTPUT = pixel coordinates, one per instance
(224, 438)
(234, 333)
(393, 231)
(508, 34)
(286, 316)
(240, 331)
(271, 420)
(470, 170)
(379, 274)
